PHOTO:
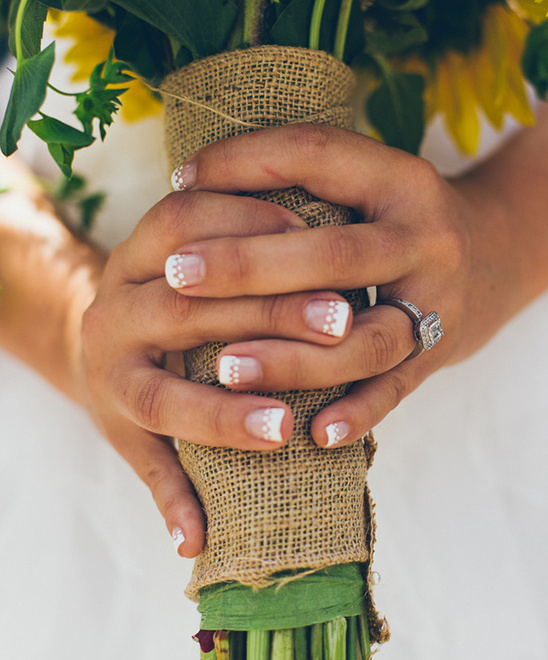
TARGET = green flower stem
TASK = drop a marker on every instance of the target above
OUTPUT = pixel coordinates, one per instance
(315, 24)
(258, 645)
(282, 645)
(300, 639)
(18, 30)
(342, 29)
(365, 644)
(252, 20)
(316, 641)
(212, 655)
(334, 633)
(238, 641)
(352, 637)
(222, 645)
(58, 91)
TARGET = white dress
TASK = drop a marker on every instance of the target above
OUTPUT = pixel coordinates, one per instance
(87, 568)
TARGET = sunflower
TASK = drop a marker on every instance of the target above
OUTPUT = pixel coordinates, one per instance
(487, 80)
(92, 43)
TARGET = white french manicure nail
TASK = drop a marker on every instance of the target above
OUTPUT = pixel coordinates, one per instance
(266, 423)
(327, 316)
(184, 270)
(336, 432)
(234, 370)
(178, 538)
(184, 177)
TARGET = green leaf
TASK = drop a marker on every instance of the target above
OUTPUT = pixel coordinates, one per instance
(26, 97)
(62, 140)
(292, 26)
(69, 188)
(402, 5)
(31, 29)
(202, 26)
(52, 130)
(98, 102)
(89, 6)
(144, 48)
(63, 156)
(396, 110)
(89, 207)
(403, 31)
(535, 59)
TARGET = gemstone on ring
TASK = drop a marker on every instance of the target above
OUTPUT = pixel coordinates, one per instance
(428, 330)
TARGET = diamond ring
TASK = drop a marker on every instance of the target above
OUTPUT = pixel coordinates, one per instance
(427, 329)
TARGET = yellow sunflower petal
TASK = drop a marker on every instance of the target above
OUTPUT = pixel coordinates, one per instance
(456, 101)
(488, 73)
(535, 11)
(139, 103)
(516, 100)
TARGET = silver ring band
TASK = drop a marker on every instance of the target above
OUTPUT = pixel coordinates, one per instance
(427, 329)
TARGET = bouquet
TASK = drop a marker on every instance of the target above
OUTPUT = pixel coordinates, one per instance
(286, 570)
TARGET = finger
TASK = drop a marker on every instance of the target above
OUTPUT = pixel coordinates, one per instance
(347, 257)
(163, 403)
(155, 460)
(380, 339)
(155, 315)
(299, 155)
(182, 218)
(367, 403)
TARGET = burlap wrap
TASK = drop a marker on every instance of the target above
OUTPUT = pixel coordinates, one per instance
(300, 506)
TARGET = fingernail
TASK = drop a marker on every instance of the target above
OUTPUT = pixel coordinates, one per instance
(336, 432)
(178, 538)
(184, 270)
(327, 316)
(266, 423)
(234, 370)
(184, 177)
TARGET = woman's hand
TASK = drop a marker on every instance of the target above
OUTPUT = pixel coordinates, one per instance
(449, 247)
(136, 328)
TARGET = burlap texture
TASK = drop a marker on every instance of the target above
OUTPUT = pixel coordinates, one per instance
(300, 507)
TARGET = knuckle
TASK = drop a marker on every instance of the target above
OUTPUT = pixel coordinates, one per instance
(217, 422)
(174, 212)
(398, 388)
(149, 400)
(273, 312)
(453, 248)
(179, 307)
(342, 253)
(309, 140)
(237, 256)
(381, 350)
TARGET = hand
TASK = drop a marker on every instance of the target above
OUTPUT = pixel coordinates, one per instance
(137, 326)
(441, 245)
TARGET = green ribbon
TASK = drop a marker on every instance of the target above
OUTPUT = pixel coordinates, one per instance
(315, 598)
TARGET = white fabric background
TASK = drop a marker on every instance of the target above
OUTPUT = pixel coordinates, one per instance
(87, 569)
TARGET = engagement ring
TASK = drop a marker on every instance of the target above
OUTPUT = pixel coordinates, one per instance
(427, 329)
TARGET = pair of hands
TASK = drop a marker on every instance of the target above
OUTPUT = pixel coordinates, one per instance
(261, 281)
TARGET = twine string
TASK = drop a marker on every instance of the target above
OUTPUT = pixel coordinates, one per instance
(240, 122)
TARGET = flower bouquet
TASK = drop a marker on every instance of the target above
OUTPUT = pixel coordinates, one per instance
(286, 570)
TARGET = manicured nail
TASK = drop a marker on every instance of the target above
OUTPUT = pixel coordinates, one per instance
(336, 432)
(184, 270)
(178, 538)
(234, 370)
(184, 177)
(327, 316)
(266, 423)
